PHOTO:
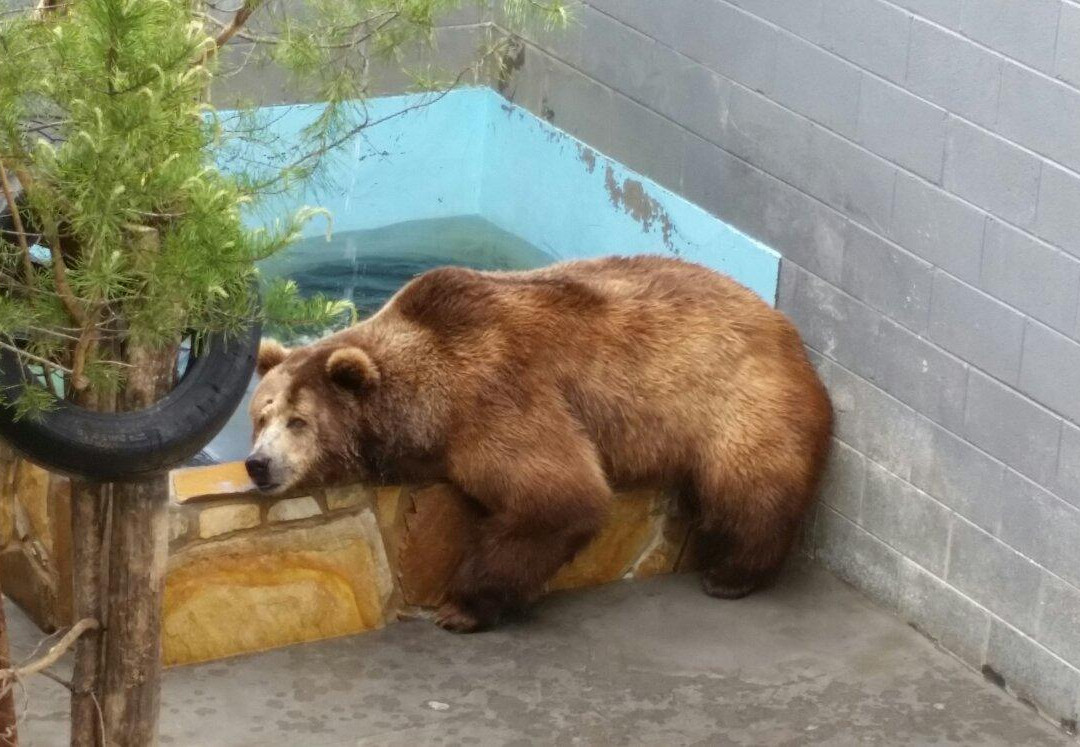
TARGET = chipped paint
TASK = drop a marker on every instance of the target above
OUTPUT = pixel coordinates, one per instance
(632, 197)
(588, 157)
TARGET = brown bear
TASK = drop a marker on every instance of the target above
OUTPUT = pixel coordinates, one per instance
(536, 393)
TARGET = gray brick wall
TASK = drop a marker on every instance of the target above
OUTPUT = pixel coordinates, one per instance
(917, 163)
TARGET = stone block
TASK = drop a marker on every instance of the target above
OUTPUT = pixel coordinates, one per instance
(293, 509)
(265, 590)
(633, 525)
(207, 483)
(349, 496)
(439, 526)
(216, 520)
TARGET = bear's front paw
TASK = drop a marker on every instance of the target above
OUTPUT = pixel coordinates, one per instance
(456, 620)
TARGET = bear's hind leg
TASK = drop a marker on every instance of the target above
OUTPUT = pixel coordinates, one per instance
(543, 508)
(744, 535)
(509, 567)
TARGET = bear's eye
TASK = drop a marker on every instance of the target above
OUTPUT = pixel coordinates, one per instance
(297, 423)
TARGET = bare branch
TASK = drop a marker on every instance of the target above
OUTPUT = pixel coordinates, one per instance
(238, 20)
(54, 653)
(36, 359)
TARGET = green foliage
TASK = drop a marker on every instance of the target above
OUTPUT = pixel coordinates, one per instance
(106, 124)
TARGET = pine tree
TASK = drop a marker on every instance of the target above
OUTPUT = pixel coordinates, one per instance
(128, 238)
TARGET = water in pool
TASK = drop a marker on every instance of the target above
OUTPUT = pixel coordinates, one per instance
(367, 267)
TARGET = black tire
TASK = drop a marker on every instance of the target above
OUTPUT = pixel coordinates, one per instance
(129, 446)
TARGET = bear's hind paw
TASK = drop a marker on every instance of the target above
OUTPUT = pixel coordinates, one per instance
(456, 620)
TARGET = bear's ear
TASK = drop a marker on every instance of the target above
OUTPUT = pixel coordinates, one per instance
(271, 353)
(352, 368)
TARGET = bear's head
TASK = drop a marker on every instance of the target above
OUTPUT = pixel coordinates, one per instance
(308, 413)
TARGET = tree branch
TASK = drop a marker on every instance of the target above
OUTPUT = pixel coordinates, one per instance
(28, 268)
(54, 653)
(238, 20)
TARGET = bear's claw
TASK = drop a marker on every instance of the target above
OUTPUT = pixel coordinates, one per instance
(453, 618)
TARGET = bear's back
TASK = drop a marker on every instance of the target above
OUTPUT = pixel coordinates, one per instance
(452, 302)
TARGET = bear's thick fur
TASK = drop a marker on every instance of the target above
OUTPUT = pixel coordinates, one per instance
(535, 393)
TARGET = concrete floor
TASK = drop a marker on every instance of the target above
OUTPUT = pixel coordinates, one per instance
(654, 662)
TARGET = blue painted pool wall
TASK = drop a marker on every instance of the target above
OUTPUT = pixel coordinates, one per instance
(472, 153)
(573, 202)
(425, 163)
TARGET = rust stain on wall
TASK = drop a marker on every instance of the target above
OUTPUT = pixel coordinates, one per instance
(588, 157)
(631, 197)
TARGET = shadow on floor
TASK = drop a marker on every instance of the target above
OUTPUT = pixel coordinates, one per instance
(651, 662)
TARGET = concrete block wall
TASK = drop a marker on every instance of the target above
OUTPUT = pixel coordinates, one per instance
(917, 162)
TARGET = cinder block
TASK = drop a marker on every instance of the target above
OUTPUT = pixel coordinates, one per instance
(799, 227)
(976, 327)
(887, 278)
(1025, 31)
(575, 103)
(646, 142)
(817, 84)
(994, 575)
(991, 172)
(1033, 276)
(693, 96)
(802, 18)
(953, 73)
(851, 180)
(870, 33)
(891, 357)
(936, 226)
(769, 136)
(902, 128)
(618, 56)
(1042, 527)
(1058, 217)
(942, 613)
(1050, 372)
(1067, 481)
(963, 478)
(1033, 673)
(1060, 619)
(945, 12)
(844, 480)
(830, 321)
(652, 74)
(721, 37)
(857, 557)
(1067, 64)
(1012, 428)
(917, 373)
(906, 519)
(888, 431)
(1040, 113)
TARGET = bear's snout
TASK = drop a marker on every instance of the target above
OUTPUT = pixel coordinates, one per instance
(258, 469)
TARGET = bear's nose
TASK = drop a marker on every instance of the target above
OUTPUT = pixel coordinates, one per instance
(258, 468)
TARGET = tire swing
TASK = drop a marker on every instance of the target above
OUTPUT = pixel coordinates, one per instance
(128, 446)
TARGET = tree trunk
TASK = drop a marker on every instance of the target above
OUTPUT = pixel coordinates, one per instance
(8, 733)
(131, 683)
(138, 548)
(89, 503)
